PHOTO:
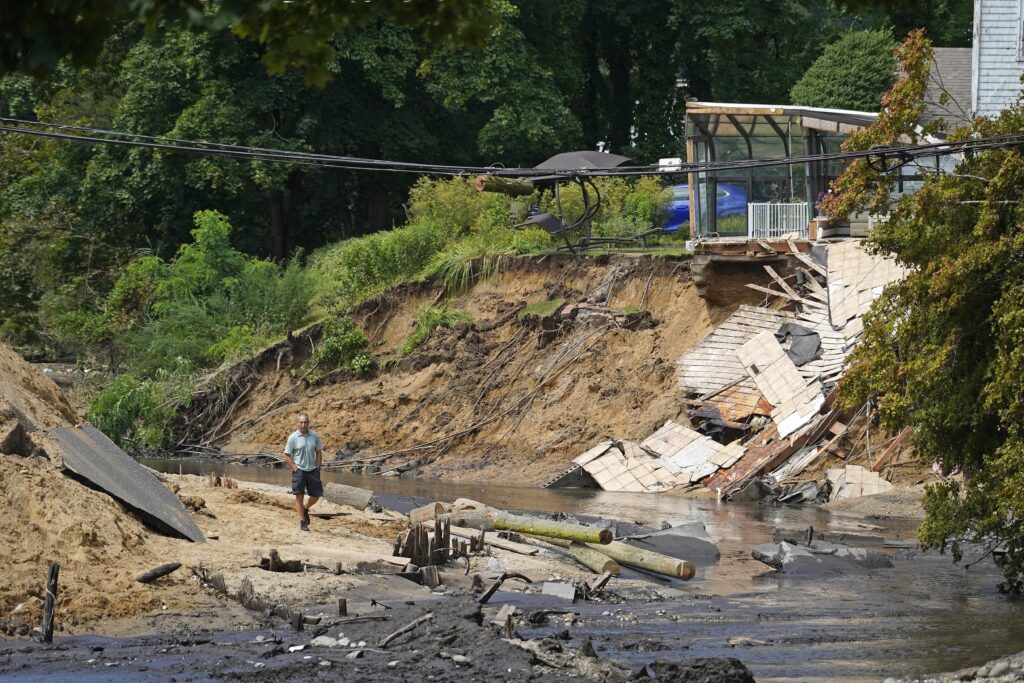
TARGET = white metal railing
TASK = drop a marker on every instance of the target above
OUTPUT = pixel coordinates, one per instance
(766, 220)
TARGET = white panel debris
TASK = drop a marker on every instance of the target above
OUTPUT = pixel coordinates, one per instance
(712, 365)
(854, 481)
(626, 466)
(855, 279)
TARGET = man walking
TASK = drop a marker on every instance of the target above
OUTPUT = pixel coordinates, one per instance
(303, 453)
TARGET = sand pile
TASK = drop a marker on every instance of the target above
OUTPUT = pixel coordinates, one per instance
(51, 518)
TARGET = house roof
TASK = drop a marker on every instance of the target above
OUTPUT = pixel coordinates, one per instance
(950, 72)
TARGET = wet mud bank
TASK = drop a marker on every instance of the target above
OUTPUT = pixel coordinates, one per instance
(921, 615)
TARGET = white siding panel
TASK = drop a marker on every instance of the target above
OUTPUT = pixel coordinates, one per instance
(998, 65)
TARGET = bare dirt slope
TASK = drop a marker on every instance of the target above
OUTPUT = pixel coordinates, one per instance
(503, 398)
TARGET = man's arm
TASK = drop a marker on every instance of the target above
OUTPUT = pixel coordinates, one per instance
(319, 451)
(288, 456)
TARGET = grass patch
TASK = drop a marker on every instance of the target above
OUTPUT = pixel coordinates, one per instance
(429, 319)
(541, 309)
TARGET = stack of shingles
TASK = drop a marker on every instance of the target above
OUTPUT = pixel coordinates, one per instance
(689, 455)
(672, 456)
(795, 399)
(712, 369)
(626, 466)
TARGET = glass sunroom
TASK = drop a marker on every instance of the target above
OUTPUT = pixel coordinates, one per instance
(767, 201)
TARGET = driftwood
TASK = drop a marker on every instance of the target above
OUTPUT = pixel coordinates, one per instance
(470, 519)
(427, 513)
(594, 560)
(405, 629)
(489, 593)
(50, 603)
(157, 572)
(353, 496)
(275, 564)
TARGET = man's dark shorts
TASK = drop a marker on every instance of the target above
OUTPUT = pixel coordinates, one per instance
(307, 483)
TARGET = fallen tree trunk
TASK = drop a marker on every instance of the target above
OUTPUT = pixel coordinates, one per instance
(353, 496)
(526, 525)
(425, 514)
(594, 560)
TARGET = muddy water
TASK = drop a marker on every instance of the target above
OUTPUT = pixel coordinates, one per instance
(924, 615)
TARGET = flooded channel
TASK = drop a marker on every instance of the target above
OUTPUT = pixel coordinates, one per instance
(924, 615)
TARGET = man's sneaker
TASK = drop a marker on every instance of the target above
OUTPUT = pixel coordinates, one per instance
(305, 516)
(303, 525)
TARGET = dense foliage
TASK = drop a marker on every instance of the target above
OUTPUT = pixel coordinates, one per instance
(127, 256)
(852, 73)
(943, 350)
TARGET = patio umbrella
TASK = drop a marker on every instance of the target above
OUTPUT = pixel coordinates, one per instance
(583, 160)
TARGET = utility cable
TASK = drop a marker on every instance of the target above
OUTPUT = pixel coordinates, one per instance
(883, 159)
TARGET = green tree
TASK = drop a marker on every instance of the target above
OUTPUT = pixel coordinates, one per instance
(943, 350)
(852, 73)
(37, 34)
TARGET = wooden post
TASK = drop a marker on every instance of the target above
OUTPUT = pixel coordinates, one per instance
(342, 607)
(50, 603)
(157, 572)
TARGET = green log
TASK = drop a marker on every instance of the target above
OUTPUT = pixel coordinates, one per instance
(594, 560)
(551, 528)
(532, 525)
(647, 559)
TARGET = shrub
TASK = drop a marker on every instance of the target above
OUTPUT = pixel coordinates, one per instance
(429, 319)
(138, 413)
(343, 346)
(852, 73)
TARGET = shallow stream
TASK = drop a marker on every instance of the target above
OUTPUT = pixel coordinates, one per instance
(925, 615)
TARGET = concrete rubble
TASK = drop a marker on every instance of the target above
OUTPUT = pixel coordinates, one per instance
(760, 391)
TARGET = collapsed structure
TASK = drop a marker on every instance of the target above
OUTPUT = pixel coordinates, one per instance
(760, 388)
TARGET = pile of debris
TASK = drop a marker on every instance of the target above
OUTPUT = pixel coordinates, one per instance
(760, 391)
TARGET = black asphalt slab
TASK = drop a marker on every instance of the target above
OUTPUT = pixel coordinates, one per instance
(92, 458)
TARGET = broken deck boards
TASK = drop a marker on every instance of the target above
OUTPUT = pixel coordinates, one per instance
(712, 365)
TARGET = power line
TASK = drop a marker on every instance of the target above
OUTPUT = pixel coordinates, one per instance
(899, 156)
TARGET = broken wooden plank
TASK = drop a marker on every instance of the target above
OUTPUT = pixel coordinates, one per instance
(810, 263)
(494, 540)
(769, 291)
(782, 283)
(893, 449)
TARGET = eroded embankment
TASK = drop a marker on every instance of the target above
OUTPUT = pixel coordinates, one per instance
(506, 397)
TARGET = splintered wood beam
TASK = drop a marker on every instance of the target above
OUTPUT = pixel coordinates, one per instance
(782, 283)
(766, 290)
(809, 262)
